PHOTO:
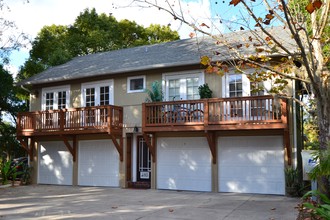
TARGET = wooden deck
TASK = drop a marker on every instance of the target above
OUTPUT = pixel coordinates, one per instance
(216, 114)
(88, 120)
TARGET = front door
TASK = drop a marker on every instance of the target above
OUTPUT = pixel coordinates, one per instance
(143, 161)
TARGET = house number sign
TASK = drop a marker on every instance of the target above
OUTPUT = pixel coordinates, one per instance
(144, 175)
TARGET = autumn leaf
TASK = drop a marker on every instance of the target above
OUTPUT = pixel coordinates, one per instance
(259, 50)
(209, 69)
(225, 68)
(247, 45)
(250, 38)
(317, 4)
(205, 60)
(257, 25)
(267, 38)
(252, 57)
(191, 35)
(264, 58)
(281, 7)
(220, 73)
(269, 16)
(234, 2)
(310, 8)
(239, 46)
(266, 22)
(204, 25)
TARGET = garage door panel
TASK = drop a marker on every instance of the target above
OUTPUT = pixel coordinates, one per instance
(183, 164)
(98, 163)
(251, 164)
(55, 164)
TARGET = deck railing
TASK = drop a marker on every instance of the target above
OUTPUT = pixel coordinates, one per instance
(215, 111)
(73, 120)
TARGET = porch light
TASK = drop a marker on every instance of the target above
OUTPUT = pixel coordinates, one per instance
(136, 129)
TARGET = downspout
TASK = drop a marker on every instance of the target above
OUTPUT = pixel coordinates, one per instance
(294, 108)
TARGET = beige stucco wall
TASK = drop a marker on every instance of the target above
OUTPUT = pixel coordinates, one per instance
(215, 83)
(35, 100)
(75, 96)
(131, 102)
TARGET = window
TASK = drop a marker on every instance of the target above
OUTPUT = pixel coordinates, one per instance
(235, 86)
(238, 85)
(182, 86)
(55, 98)
(136, 84)
(97, 93)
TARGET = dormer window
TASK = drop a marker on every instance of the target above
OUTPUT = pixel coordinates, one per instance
(136, 84)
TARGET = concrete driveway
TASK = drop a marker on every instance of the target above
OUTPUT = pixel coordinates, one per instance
(68, 202)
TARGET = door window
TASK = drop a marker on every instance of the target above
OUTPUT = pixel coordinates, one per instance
(144, 160)
(97, 93)
(55, 98)
(238, 85)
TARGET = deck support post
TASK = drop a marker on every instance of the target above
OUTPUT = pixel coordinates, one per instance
(211, 139)
(27, 147)
(118, 145)
(73, 148)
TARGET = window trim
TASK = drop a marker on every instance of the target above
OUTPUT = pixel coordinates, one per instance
(56, 89)
(136, 77)
(180, 75)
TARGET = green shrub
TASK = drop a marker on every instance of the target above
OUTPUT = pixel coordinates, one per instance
(320, 209)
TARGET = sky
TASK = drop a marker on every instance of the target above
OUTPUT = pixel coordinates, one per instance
(32, 16)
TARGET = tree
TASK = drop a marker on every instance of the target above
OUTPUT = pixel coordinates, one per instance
(90, 33)
(310, 31)
(10, 38)
(10, 105)
(308, 23)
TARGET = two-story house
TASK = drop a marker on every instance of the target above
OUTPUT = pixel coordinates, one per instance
(89, 124)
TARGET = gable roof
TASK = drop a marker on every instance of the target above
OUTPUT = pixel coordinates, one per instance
(171, 54)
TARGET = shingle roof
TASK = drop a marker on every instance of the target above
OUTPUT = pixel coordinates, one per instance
(170, 54)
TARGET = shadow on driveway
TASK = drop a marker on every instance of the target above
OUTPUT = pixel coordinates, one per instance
(71, 202)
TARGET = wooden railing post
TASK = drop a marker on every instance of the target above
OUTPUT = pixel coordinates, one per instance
(284, 113)
(62, 121)
(109, 118)
(144, 116)
(33, 119)
(206, 112)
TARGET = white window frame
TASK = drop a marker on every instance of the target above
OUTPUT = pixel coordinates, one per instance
(181, 75)
(129, 90)
(246, 87)
(97, 85)
(55, 90)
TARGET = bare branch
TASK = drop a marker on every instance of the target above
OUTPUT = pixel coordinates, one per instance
(264, 30)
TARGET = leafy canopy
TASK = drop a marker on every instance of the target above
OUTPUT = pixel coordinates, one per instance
(90, 33)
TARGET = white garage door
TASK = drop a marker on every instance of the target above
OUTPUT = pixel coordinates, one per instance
(98, 163)
(251, 164)
(55, 164)
(183, 164)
